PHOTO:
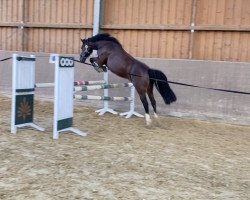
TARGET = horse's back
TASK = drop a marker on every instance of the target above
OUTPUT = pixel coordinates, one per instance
(139, 68)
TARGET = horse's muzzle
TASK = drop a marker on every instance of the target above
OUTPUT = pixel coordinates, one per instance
(82, 59)
(84, 56)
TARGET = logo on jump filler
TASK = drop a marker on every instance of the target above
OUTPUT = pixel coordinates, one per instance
(66, 62)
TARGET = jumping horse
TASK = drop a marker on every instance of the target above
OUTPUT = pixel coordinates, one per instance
(112, 56)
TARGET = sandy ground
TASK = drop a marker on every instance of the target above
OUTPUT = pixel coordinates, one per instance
(123, 159)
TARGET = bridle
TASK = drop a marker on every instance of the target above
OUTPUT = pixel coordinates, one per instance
(86, 47)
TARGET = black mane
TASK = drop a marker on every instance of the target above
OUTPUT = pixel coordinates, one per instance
(105, 37)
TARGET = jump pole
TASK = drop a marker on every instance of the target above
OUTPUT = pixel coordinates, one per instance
(44, 85)
(23, 89)
(63, 96)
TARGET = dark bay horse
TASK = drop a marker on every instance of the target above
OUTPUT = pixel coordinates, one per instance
(117, 60)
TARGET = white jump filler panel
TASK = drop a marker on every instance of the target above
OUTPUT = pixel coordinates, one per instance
(23, 88)
(64, 91)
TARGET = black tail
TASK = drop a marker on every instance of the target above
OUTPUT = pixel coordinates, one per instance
(161, 82)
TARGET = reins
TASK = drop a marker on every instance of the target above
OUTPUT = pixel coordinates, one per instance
(8, 58)
(194, 86)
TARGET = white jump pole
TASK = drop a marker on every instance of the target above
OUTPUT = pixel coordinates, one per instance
(44, 85)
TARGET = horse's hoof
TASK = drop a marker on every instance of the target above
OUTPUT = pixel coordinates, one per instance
(155, 115)
(148, 120)
(105, 69)
(148, 123)
(157, 122)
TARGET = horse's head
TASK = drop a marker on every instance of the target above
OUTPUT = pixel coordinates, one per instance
(87, 48)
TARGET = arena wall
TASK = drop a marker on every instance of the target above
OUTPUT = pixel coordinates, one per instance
(192, 102)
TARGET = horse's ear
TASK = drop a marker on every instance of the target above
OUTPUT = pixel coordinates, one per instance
(83, 41)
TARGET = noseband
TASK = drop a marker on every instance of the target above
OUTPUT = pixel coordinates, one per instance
(86, 47)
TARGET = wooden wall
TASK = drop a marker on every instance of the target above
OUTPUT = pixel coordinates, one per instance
(224, 30)
(150, 28)
(45, 25)
(183, 29)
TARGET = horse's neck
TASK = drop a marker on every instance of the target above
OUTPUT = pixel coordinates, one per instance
(107, 47)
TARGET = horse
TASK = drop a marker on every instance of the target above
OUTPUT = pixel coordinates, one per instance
(112, 56)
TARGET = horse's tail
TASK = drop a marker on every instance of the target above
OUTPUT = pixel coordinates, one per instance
(161, 83)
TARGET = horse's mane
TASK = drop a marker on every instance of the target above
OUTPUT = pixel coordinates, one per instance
(105, 37)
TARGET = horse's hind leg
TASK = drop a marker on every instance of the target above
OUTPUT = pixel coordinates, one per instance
(152, 99)
(145, 105)
(141, 85)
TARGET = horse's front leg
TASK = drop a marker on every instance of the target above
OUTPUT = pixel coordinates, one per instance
(97, 63)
